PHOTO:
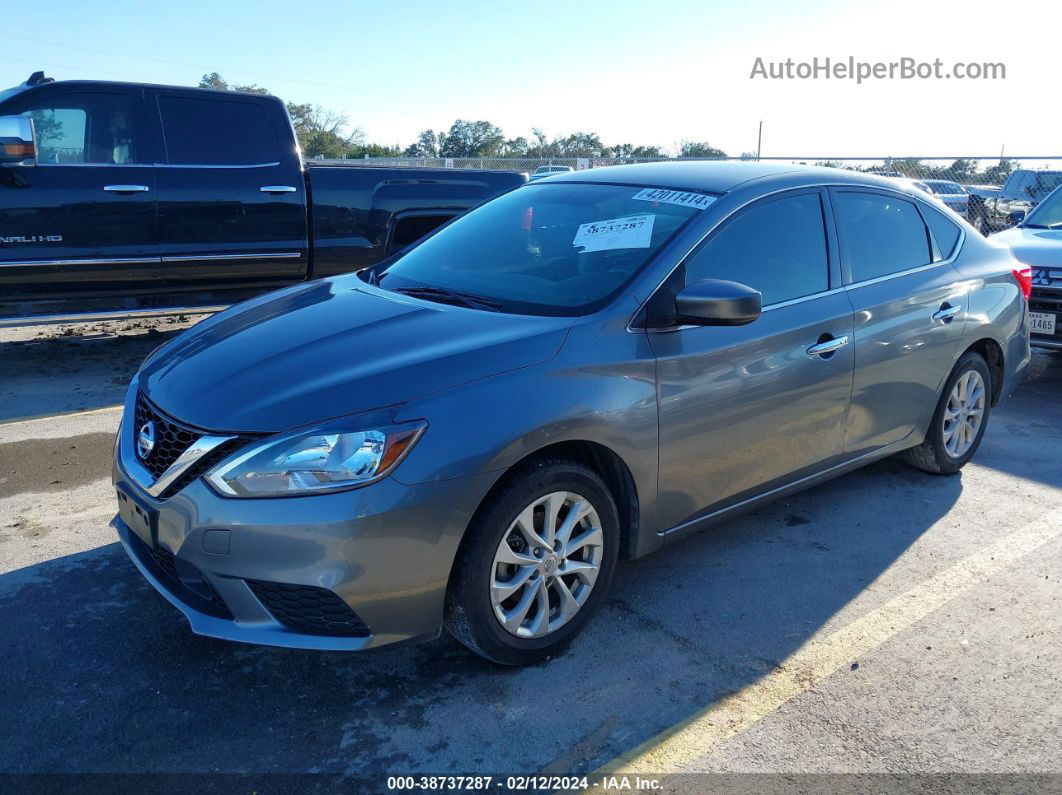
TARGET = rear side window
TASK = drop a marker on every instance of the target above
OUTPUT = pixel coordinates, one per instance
(217, 132)
(945, 233)
(777, 247)
(880, 235)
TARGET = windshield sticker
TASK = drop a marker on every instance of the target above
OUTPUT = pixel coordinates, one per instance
(634, 231)
(665, 196)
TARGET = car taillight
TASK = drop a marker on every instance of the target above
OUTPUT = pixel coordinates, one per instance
(1024, 276)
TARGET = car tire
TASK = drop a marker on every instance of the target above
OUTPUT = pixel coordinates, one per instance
(493, 627)
(939, 453)
(981, 224)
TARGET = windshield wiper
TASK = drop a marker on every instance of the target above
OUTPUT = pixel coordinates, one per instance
(1033, 226)
(455, 297)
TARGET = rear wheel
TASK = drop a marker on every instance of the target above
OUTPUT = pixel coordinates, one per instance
(959, 421)
(535, 564)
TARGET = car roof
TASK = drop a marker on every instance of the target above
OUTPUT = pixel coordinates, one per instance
(719, 176)
(51, 84)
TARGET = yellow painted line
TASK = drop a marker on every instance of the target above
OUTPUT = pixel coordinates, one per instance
(675, 748)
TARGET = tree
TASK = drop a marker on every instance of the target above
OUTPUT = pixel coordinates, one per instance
(218, 83)
(580, 144)
(472, 139)
(632, 152)
(997, 174)
(429, 143)
(515, 147)
(699, 149)
(962, 170)
(322, 132)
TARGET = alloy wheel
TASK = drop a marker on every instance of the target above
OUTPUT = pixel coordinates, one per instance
(964, 413)
(546, 564)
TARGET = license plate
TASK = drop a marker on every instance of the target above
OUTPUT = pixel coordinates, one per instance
(1041, 323)
(141, 519)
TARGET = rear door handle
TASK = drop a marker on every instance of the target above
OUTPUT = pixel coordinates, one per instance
(126, 188)
(946, 312)
(827, 347)
(277, 189)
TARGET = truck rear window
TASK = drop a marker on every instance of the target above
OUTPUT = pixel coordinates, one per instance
(217, 132)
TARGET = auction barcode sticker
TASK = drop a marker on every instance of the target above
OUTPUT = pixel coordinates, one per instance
(665, 196)
(634, 231)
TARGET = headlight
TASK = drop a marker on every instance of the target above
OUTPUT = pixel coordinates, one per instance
(311, 462)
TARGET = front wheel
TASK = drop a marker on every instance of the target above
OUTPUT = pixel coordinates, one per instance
(535, 564)
(959, 421)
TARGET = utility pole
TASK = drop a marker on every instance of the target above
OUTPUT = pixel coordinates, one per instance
(759, 140)
(1001, 149)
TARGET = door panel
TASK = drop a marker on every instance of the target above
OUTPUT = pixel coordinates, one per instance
(741, 407)
(83, 220)
(217, 225)
(902, 355)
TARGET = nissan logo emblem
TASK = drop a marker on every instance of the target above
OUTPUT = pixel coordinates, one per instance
(145, 439)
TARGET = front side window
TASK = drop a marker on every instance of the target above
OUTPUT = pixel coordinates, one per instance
(777, 247)
(553, 249)
(217, 132)
(96, 129)
(879, 234)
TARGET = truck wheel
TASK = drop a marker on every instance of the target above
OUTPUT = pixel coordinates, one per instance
(981, 224)
(960, 419)
(535, 563)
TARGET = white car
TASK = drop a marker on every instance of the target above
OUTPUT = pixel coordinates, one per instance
(545, 171)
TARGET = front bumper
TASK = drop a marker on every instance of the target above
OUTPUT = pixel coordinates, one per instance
(265, 571)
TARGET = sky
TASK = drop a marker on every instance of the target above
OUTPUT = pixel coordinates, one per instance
(634, 72)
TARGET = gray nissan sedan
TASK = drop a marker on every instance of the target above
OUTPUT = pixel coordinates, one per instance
(470, 434)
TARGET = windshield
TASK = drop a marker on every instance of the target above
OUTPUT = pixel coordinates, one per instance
(560, 249)
(945, 188)
(1047, 213)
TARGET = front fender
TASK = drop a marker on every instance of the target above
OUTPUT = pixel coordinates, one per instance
(600, 388)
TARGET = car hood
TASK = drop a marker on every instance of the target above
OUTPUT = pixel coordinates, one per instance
(331, 348)
(1036, 247)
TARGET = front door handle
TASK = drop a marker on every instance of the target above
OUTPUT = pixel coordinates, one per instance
(126, 188)
(277, 189)
(946, 312)
(826, 347)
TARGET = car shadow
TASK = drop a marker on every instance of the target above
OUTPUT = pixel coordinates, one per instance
(1025, 432)
(100, 674)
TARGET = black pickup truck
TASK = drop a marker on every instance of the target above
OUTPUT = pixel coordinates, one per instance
(1023, 190)
(120, 198)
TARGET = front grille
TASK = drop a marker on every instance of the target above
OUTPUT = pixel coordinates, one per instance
(171, 437)
(181, 577)
(309, 609)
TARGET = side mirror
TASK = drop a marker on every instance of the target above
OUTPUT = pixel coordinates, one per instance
(715, 302)
(18, 141)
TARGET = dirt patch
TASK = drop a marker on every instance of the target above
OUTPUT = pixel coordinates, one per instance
(36, 465)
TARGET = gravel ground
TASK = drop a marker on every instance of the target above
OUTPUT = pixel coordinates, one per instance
(101, 675)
